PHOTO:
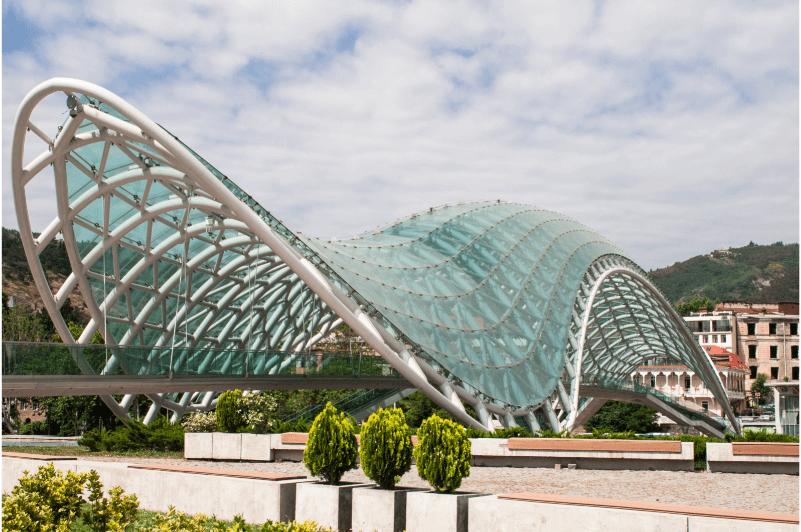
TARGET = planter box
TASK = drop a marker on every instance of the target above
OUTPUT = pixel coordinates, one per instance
(257, 447)
(760, 458)
(198, 445)
(327, 505)
(226, 446)
(586, 454)
(380, 510)
(427, 511)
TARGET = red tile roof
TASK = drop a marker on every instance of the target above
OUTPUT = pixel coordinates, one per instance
(724, 358)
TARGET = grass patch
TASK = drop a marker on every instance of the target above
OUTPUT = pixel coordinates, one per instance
(86, 453)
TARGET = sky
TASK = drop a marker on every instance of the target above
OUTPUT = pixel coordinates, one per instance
(671, 128)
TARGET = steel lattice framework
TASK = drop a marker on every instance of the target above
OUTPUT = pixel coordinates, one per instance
(502, 307)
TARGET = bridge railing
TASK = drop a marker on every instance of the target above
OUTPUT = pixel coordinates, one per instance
(635, 387)
(27, 358)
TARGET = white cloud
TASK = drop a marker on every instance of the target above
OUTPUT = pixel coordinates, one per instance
(671, 128)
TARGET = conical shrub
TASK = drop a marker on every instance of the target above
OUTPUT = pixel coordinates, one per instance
(442, 454)
(229, 414)
(386, 447)
(331, 449)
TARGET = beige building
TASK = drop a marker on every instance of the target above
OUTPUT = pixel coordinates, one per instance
(766, 338)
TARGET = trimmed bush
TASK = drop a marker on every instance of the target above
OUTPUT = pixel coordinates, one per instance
(386, 447)
(229, 411)
(331, 448)
(442, 454)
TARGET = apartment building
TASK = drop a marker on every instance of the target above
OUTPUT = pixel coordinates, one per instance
(766, 338)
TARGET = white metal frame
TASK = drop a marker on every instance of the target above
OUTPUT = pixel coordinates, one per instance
(271, 274)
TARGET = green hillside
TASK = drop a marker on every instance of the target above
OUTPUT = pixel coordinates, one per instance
(751, 273)
(754, 273)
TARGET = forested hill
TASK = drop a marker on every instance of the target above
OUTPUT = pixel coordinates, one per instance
(751, 273)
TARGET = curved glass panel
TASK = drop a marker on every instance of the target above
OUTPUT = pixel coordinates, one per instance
(485, 289)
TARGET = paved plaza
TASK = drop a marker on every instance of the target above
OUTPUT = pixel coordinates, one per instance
(760, 493)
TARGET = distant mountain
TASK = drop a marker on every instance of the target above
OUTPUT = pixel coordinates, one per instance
(751, 273)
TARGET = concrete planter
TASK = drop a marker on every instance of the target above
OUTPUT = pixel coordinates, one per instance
(226, 446)
(379, 510)
(427, 511)
(198, 445)
(257, 447)
(327, 505)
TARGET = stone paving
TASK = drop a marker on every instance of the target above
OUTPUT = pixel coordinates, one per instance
(760, 493)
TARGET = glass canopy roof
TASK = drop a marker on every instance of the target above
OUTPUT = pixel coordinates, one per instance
(485, 289)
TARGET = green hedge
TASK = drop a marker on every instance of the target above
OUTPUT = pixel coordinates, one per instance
(158, 436)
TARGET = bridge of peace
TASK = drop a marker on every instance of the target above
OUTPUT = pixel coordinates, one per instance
(523, 315)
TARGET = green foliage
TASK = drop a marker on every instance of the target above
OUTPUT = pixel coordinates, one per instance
(695, 305)
(60, 497)
(514, 432)
(200, 422)
(331, 449)
(36, 427)
(386, 447)
(300, 425)
(175, 521)
(71, 416)
(761, 436)
(732, 275)
(160, 435)
(616, 416)
(442, 454)
(258, 411)
(758, 385)
(229, 411)
(115, 514)
(417, 408)
(49, 500)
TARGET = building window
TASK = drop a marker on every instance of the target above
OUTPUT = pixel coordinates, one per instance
(774, 373)
(653, 381)
(705, 405)
(751, 328)
(771, 328)
(706, 339)
(793, 351)
(795, 373)
(753, 372)
(794, 329)
(752, 351)
(723, 338)
(714, 338)
(774, 351)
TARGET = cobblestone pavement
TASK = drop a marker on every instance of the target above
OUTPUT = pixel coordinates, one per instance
(761, 493)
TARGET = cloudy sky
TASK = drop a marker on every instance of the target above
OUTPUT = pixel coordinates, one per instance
(671, 128)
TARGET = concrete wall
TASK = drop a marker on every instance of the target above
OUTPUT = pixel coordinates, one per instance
(260, 500)
(498, 515)
(721, 459)
(255, 500)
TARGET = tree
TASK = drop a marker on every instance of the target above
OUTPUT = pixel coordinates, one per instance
(617, 416)
(758, 386)
(695, 304)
